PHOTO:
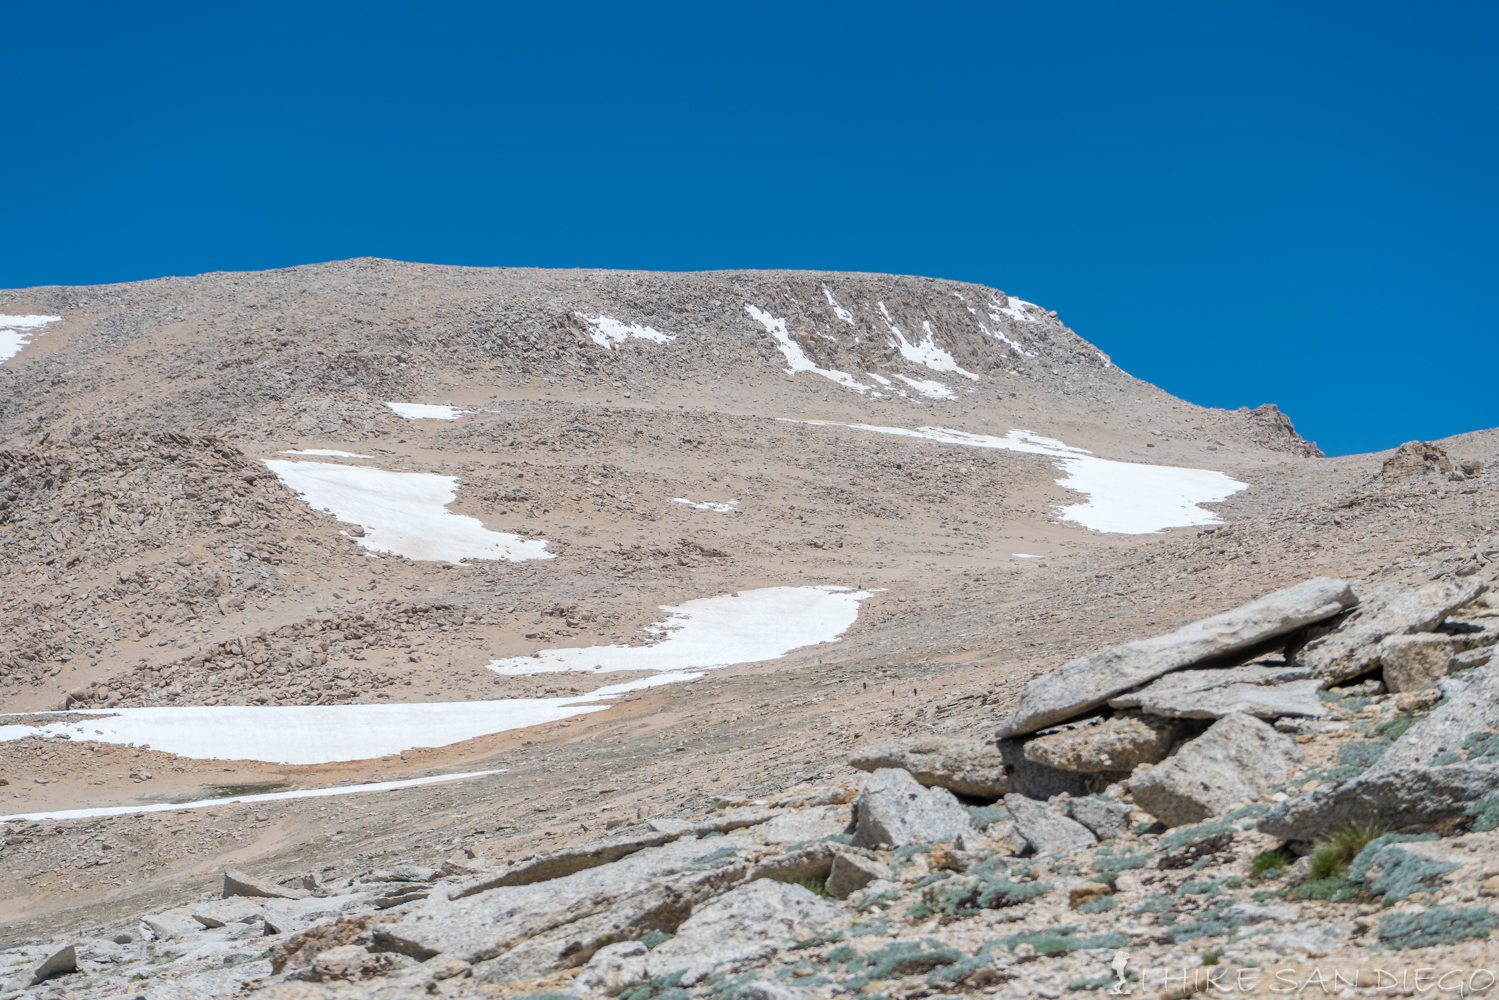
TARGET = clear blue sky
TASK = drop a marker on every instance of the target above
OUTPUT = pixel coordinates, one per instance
(1243, 203)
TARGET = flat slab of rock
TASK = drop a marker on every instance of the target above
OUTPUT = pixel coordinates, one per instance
(63, 960)
(560, 864)
(852, 872)
(1354, 648)
(1264, 692)
(222, 912)
(893, 808)
(795, 826)
(1239, 757)
(752, 921)
(1398, 797)
(1105, 818)
(1410, 662)
(237, 883)
(1090, 681)
(1403, 788)
(1047, 832)
(815, 861)
(1120, 743)
(964, 766)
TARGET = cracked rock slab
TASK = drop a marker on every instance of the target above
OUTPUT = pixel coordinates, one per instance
(1090, 681)
(1047, 832)
(893, 808)
(1354, 648)
(1239, 757)
(1261, 691)
(1120, 743)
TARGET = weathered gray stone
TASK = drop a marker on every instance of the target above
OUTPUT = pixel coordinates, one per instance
(1354, 648)
(815, 861)
(1041, 781)
(767, 990)
(964, 766)
(526, 930)
(237, 883)
(1402, 788)
(1410, 662)
(63, 960)
(1106, 818)
(1090, 681)
(1239, 757)
(169, 925)
(1416, 458)
(221, 912)
(1398, 797)
(1264, 692)
(798, 825)
(1120, 743)
(1047, 832)
(894, 809)
(613, 966)
(750, 922)
(568, 861)
(852, 872)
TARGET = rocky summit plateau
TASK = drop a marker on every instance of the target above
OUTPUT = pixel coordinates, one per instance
(373, 629)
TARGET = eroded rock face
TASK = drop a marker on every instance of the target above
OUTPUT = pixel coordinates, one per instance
(1104, 818)
(1090, 681)
(747, 922)
(1354, 648)
(894, 809)
(1047, 832)
(1239, 757)
(1267, 692)
(851, 873)
(964, 766)
(1410, 662)
(1120, 743)
(1417, 458)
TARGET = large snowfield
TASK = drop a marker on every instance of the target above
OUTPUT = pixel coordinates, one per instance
(404, 513)
(16, 332)
(746, 627)
(1127, 498)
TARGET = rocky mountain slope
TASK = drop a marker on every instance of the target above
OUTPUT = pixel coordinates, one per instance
(630, 549)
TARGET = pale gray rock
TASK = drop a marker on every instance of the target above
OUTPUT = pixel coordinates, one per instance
(1120, 743)
(568, 861)
(613, 966)
(237, 883)
(750, 922)
(1040, 781)
(1402, 788)
(61, 961)
(221, 912)
(516, 932)
(740, 819)
(1410, 662)
(1047, 832)
(892, 808)
(1106, 818)
(963, 766)
(170, 925)
(1239, 757)
(1354, 648)
(800, 825)
(1090, 681)
(767, 990)
(815, 861)
(1199, 694)
(1262, 914)
(852, 872)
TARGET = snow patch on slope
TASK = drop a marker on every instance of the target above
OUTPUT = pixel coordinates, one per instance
(722, 508)
(927, 387)
(711, 632)
(404, 512)
(838, 310)
(925, 352)
(606, 331)
(795, 357)
(16, 332)
(427, 411)
(1127, 498)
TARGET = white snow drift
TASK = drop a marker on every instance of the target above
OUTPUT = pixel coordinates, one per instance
(722, 508)
(710, 632)
(795, 357)
(925, 352)
(1127, 498)
(427, 411)
(327, 453)
(302, 793)
(606, 331)
(16, 332)
(404, 513)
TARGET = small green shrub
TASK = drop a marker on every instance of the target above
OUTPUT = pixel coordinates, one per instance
(1120, 862)
(722, 854)
(1395, 727)
(1269, 864)
(1323, 863)
(1437, 926)
(910, 851)
(1212, 956)
(1405, 873)
(1333, 889)
(904, 958)
(1176, 839)
(1369, 856)
(1063, 941)
(1099, 904)
(1339, 849)
(1363, 753)
(1158, 903)
(1485, 813)
(983, 816)
(651, 939)
(816, 886)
